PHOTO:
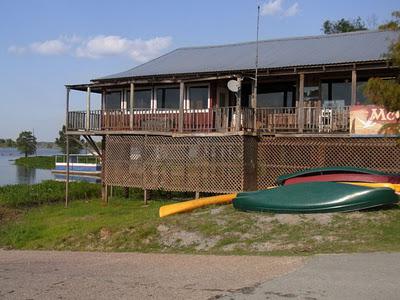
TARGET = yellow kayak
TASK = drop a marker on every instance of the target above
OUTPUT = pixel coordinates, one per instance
(175, 208)
(395, 187)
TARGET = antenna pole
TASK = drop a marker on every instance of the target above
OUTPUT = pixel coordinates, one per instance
(256, 74)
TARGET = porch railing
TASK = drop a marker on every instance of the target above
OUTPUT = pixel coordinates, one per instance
(223, 119)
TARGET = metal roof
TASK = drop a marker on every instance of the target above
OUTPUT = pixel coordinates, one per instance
(351, 47)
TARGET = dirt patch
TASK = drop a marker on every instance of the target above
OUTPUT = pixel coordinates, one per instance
(170, 237)
(7, 214)
(323, 219)
(271, 246)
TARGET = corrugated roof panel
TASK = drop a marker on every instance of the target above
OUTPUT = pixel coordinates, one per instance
(315, 50)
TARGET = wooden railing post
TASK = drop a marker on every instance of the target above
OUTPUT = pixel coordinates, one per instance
(132, 104)
(181, 105)
(301, 104)
(88, 109)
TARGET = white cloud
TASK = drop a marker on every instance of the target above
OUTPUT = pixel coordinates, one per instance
(99, 46)
(271, 8)
(51, 47)
(276, 7)
(292, 10)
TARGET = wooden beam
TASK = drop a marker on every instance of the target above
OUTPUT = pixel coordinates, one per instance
(181, 105)
(88, 108)
(132, 104)
(254, 84)
(353, 87)
(301, 103)
(238, 104)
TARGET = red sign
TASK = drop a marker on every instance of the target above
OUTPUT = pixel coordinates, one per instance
(369, 119)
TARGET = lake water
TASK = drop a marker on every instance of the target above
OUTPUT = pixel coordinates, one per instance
(12, 174)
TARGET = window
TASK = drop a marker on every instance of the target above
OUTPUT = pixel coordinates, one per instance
(142, 99)
(336, 92)
(276, 99)
(311, 93)
(198, 97)
(113, 100)
(361, 99)
(168, 98)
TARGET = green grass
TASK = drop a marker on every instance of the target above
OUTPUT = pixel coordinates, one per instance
(36, 162)
(129, 225)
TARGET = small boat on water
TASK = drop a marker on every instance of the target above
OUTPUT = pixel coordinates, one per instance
(79, 164)
(315, 197)
(338, 174)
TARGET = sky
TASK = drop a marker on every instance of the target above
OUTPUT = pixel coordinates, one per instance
(45, 44)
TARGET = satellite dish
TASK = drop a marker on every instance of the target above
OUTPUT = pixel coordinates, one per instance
(233, 85)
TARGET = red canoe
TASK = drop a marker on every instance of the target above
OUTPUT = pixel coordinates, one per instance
(342, 177)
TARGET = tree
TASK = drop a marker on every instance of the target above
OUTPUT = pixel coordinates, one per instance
(387, 92)
(26, 143)
(75, 145)
(343, 25)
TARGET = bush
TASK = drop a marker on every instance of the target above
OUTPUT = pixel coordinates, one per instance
(24, 195)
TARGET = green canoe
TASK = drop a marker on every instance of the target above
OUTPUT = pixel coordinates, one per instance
(315, 197)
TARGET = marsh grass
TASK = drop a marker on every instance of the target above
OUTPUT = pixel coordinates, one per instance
(36, 162)
(50, 191)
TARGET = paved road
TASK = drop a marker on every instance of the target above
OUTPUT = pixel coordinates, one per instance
(77, 275)
(84, 275)
(347, 276)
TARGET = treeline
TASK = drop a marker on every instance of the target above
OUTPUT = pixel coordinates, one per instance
(8, 143)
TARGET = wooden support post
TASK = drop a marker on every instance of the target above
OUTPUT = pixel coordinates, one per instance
(132, 104)
(254, 103)
(353, 87)
(146, 196)
(104, 189)
(197, 195)
(238, 105)
(301, 103)
(67, 148)
(181, 105)
(126, 192)
(88, 109)
(67, 110)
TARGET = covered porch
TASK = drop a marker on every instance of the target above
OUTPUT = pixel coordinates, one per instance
(316, 102)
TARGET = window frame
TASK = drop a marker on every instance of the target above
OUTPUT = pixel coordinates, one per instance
(128, 90)
(121, 101)
(187, 100)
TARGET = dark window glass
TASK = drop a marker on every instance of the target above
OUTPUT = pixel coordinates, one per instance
(361, 99)
(142, 99)
(336, 93)
(271, 99)
(198, 97)
(168, 98)
(113, 100)
(289, 100)
(341, 93)
(325, 91)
